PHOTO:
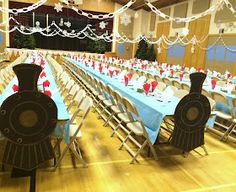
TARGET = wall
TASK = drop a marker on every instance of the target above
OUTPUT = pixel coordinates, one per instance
(205, 29)
(106, 6)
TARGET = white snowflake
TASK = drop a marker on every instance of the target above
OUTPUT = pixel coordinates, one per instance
(68, 24)
(125, 19)
(58, 7)
(136, 15)
(102, 25)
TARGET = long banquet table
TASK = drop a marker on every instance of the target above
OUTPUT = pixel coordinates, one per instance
(207, 86)
(150, 108)
(63, 116)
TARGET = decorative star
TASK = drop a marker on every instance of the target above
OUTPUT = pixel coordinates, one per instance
(125, 19)
(102, 25)
(58, 7)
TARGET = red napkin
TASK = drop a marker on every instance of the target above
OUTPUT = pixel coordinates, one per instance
(154, 84)
(117, 71)
(15, 88)
(43, 74)
(33, 61)
(199, 69)
(146, 87)
(126, 78)
(46, 83)
(228, 75)
(181, 75)
(213, 83)
(111, 73)
(93, 65)
(100, 68)
(171, 72)
(48, 93)
(42, 62)
(132, 64)
(183, 68)
(129, 75)
(144, 66)
(206, 72)
(162, 71)
(235, 87)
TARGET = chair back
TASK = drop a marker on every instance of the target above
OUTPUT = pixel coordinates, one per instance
(212, 102)
(233, 108)
(206, 93)
(176, 84)
(86, 104)
(166, 81)
(180, 93)
(185, 87)
(161, 86)
(219, 98)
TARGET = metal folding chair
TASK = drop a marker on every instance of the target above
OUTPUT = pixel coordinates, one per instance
(73, 144)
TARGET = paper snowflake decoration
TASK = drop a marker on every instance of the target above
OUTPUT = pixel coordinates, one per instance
(125, 19)
(102, 25)
(68, 24)
(58, 7)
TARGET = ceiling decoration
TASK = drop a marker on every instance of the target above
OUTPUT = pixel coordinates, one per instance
(140, 4)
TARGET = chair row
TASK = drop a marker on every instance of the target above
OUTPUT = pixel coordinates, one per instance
(117, 111)
(7, 73)
(78, 106)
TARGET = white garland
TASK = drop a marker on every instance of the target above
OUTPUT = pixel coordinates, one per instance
(25, 9)
(103, 16)
(87, 32)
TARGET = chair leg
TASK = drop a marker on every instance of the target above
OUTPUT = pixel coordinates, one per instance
(230, 131)
(95, 107)
(115, 129)
(154, 153)
(3, 168)
(205, 149)
(108, 119)
(226, 133)
(138, 152)
(123, 142)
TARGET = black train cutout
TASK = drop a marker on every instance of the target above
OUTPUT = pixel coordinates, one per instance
(27, 118)
(191, 115)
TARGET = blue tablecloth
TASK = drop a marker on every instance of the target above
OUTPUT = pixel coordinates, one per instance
(63, 115)
(151, 111)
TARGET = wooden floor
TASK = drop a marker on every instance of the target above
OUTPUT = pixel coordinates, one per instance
(109, 169)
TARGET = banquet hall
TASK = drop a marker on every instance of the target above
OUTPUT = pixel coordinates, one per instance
(117, 95)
